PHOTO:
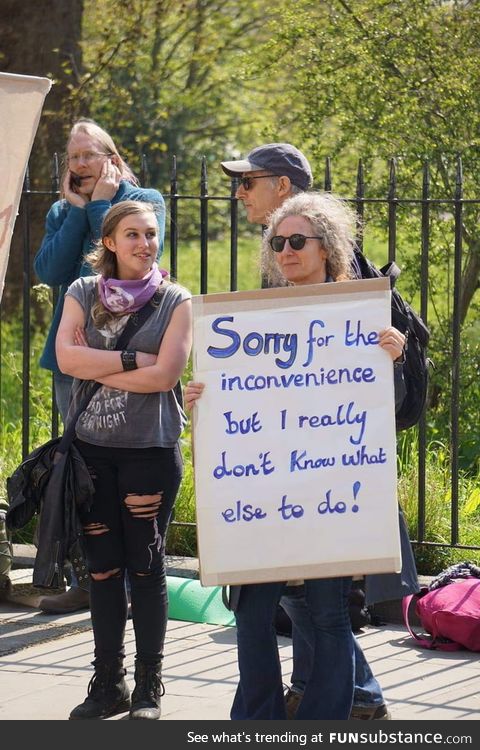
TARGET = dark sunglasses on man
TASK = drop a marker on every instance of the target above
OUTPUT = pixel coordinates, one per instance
(296, 242)
(246, 182)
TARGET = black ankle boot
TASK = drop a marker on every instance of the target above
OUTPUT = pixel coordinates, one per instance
(148, 691)
(107, 693)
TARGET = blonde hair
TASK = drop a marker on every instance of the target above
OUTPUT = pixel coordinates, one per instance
(93, 130)
(104, 261)
(331, 219)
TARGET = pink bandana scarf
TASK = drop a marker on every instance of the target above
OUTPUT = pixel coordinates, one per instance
(128, 296)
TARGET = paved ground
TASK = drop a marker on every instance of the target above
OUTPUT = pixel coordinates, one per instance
(45, 669)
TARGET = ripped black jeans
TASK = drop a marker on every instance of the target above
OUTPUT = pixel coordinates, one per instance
(124, 531)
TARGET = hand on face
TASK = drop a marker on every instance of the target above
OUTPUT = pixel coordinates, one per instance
(393, 341)
(108, 182)
(92, 168)
(70, 191)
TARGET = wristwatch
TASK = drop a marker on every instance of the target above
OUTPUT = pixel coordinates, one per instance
(129, 360)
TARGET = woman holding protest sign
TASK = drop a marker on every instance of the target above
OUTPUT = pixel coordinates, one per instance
(309, 241)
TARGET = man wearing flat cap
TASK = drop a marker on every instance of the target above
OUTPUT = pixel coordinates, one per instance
(267, 176)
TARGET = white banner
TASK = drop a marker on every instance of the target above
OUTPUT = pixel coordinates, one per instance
(21, 102)
(294, 435)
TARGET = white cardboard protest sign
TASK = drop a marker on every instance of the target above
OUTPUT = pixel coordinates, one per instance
(21, 101)
(294, 435)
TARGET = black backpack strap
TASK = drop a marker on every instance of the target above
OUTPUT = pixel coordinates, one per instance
(134, 323)
(392, 272)
(225, 597)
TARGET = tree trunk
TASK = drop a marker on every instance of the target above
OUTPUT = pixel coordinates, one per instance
(470, 279)
(40, 39)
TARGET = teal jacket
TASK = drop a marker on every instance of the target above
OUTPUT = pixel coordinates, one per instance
(69, 235)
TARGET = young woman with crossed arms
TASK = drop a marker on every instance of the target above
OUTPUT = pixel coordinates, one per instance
(128, 435)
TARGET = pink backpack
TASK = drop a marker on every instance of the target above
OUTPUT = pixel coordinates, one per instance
(450, 613)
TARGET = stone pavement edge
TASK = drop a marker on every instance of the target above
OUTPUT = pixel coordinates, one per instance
(45, 667)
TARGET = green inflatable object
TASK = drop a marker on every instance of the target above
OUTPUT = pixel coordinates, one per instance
(189, 601)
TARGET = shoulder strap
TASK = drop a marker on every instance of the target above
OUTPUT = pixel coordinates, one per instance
(225, 597)
(391, 271)
(424, 642)
(134, 323)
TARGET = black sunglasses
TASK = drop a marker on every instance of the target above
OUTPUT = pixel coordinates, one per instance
(246, 182)
(296, 242)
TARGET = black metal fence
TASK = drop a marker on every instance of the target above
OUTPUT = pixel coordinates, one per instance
(454, 204)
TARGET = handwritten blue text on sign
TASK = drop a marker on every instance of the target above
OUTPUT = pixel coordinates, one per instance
(297, 429)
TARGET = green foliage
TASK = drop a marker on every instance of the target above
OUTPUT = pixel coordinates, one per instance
(182, 540)
(11, 396)
(164, 77)
(218, 261)
(383, 79)
(11, 407)
(432, 559)
(394, 78)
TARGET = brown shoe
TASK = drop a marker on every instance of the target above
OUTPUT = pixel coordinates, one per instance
(72, 600)
(368, 713)
(292, 702)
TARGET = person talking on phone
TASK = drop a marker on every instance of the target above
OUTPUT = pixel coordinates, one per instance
(95, 177)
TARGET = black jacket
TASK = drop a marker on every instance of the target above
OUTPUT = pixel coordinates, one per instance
(55, 485)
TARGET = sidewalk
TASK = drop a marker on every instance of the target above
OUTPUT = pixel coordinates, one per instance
(45, 668)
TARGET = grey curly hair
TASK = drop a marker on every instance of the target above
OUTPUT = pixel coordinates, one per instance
(331, 219)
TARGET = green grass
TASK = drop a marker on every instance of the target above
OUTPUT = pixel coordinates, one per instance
(432, 559)
(11, 396)
(218, 262)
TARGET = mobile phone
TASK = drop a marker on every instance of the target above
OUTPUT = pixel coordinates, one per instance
(75, 180)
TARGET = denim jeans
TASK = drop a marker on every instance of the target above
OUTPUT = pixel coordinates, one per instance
(367, 690)
(329, 688)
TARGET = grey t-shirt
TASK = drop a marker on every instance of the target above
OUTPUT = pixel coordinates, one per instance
(123, 419)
